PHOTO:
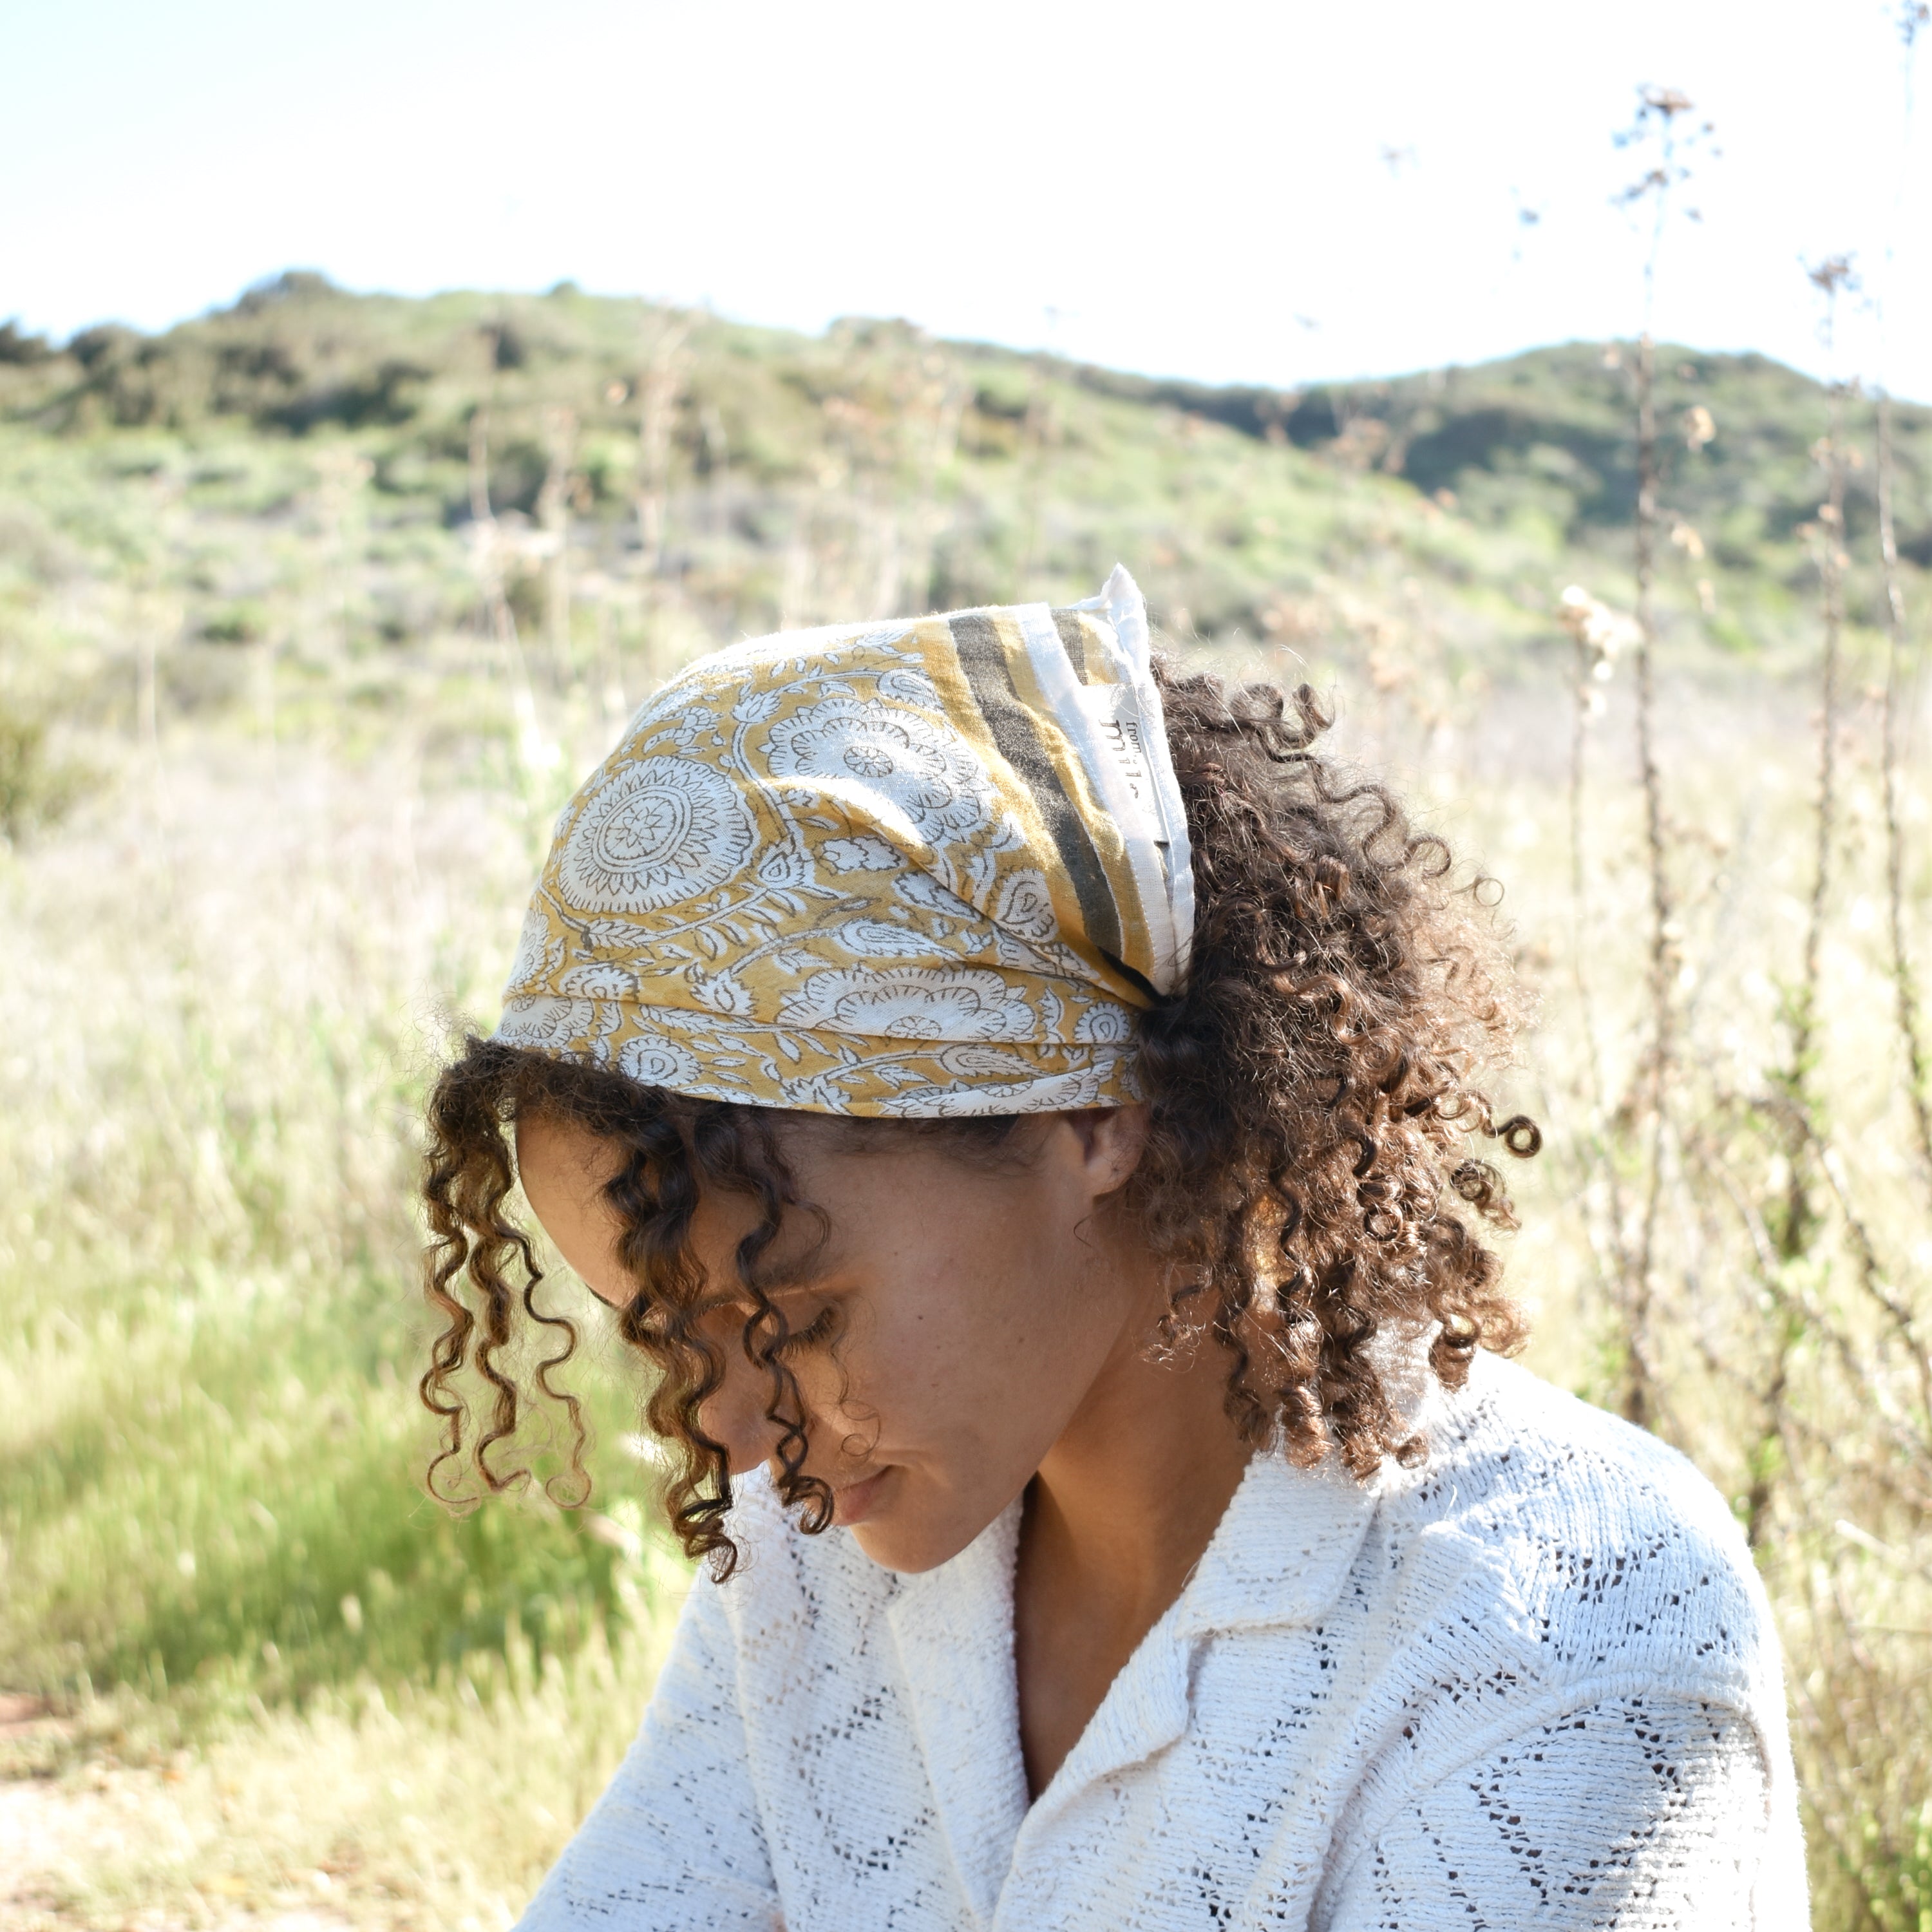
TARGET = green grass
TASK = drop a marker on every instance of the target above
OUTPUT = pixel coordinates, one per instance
(217, 1563)
(408, 1806)
(209, 1445)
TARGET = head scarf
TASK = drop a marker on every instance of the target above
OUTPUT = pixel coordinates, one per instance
(930, 867)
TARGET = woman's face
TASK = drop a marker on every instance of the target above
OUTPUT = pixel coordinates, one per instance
(975, 1308)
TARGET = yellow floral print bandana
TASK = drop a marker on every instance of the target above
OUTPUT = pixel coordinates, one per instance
(923, 868)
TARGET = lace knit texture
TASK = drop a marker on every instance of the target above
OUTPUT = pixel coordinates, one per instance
(1532, 1683)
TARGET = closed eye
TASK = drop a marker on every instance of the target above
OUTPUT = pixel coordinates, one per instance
(817, 1333)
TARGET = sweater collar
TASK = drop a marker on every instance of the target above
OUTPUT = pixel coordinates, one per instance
(1279, 1556)
(1281, 1549)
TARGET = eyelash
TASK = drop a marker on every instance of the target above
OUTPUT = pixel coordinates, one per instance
(809, 1337)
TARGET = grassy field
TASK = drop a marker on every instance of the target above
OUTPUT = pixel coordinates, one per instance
(311, 615)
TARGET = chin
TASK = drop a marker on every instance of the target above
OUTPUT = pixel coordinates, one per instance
(905, 1521)
(911, 1547)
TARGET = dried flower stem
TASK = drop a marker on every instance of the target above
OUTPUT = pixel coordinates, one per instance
(1659, 112)
(502, 620)
(1873, 1279)
(659, 389)
(1904, 980)
(1036, 431)
(1831, 561)
(1639, 1402)
(553, 515)
(1580, 719)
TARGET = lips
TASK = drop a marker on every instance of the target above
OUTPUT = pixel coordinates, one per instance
(856, 1502)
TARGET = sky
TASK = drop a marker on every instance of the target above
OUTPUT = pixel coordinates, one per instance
(1274, 194)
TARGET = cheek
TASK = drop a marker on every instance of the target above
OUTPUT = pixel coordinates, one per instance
(894, 1363)
(977, 1344)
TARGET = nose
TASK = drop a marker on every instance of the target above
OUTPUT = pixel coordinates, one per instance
(735, 1417)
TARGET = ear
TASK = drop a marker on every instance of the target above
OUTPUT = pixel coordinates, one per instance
(1111, 1141)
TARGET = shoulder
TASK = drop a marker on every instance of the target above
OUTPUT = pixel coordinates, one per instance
(1604, 1550)
(1510, 1450)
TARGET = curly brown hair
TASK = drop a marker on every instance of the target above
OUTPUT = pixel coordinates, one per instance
(1309, 1175)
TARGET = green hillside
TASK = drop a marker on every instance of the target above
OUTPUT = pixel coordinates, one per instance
(800, 479)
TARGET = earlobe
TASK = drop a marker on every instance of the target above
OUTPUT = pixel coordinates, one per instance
(1114, 1138)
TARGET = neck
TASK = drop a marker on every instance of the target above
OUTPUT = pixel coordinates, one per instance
(1128, 1498)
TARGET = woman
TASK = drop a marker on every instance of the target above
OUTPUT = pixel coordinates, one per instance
(1022, 1103)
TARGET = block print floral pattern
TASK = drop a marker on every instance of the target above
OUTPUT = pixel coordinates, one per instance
(807, 879)
(909, 772)
(662, 830)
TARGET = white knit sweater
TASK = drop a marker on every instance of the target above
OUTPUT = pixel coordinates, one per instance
(1531, 1683)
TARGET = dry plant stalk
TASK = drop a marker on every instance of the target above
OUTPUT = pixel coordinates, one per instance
(554, 503)
(660, 388)
(1600, 635)
(1039, 431)
(534, 751)
(1794, 1107)
(1638, 1398)
(1831, 278)
(1905, 986)
(1659, 112)
(499, 618)
(718, 469)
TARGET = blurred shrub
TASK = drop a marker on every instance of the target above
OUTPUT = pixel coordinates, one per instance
(36, 788)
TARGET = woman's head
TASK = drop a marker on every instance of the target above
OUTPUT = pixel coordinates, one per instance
(932, 1298)
(926, 1309)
